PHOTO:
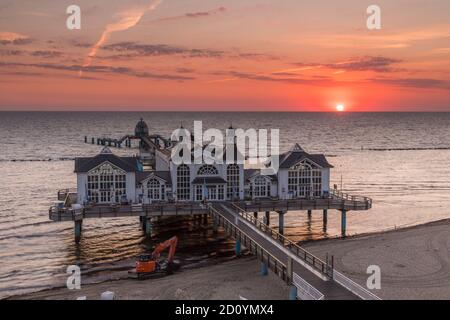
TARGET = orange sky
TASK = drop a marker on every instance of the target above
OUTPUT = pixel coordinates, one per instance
(263, 55)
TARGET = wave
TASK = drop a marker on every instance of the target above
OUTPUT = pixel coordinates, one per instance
(407, 149)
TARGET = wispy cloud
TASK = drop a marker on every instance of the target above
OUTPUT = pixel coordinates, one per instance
(199, 14)
(367, 63)
(422, 83)
(14, 38)
(133, 49)
(100, 69)
(127, 19)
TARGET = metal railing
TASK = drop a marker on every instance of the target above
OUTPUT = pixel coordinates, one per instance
(345, 196)
(278, 267)
(305, 291)
(352, 286)
(310, 259)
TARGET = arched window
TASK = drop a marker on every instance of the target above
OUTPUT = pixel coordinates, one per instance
(155, 189)
(183, 183)
(305, 180)
(261, 187)
(207, 170)
(106, 184)
(233, 179)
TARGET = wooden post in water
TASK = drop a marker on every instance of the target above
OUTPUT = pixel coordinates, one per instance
(267, 218)
(148, 227)
(309, 214)
(78, 229)
(281, 222)
(325, 219)
(255, 214)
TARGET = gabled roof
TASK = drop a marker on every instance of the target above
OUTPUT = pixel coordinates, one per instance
(85, 164)
(251, 173)
(164, 175)
(297, 154)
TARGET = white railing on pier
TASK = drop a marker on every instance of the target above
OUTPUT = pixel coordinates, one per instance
(305, 291)
(316, 263)
(345, 196)
(352, 286)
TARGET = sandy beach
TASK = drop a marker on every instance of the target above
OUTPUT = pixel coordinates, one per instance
(226, 281)
(414, 262)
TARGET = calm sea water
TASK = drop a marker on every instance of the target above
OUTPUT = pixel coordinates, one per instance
(410, 184)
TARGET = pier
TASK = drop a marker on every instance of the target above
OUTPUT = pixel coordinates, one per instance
(309, 276)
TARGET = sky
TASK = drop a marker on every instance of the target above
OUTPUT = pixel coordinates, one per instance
(229, 55)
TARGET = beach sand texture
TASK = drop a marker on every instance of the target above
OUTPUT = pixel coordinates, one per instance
(227, 281)
(414, 262)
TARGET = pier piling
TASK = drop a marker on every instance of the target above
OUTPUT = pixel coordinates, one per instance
(343, 222)
(78, 229)
(148, 227)
(255, 214)
(264, 269)
(267, 218)
(309, 214)
(238, 248)
(293, 293)
(325, 218)
(281, 222)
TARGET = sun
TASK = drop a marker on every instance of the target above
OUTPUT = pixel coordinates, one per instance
(340, 107)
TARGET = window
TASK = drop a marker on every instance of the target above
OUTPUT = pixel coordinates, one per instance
(305, 180)
(155, 189)
(106, 184)
(183, 183)
(261, 187)
(207, 170)
(233, 175)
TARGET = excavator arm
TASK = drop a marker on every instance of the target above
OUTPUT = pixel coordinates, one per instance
(171, 244)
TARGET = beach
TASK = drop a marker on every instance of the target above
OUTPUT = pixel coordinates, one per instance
(226, 281)
(414, 262)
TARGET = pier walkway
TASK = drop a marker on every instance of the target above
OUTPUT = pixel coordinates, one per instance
(314, 272)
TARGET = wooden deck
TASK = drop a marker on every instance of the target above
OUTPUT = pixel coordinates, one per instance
(336, 200)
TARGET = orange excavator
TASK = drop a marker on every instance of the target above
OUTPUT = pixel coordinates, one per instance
(148, 265)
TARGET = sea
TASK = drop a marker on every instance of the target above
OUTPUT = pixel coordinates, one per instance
(400, 160)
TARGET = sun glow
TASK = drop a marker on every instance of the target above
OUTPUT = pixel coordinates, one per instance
(340, 108)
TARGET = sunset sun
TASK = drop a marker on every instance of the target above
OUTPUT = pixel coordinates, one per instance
(340, 108)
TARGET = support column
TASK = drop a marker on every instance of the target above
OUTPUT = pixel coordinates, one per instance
(289, 271)
(343, 222)
(264, 269)
(215, 225)
(309, 214)
(293, 293)
(205, 219)
(281, 222)
(325, 218)
(78, 229)
(238, 248)
(255, 214)
(148, 227)
(267, 218)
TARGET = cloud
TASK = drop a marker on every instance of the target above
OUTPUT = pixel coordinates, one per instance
(367, 63)
(134, 49)
(127, 20)
(47, 54)
(422, 83)
(99, 69)
(14, 38)
(199, 14)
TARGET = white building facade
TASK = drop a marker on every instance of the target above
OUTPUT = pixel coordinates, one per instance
(109, 179)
